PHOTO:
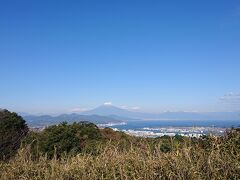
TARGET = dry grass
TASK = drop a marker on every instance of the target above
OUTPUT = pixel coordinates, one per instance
(220, 161)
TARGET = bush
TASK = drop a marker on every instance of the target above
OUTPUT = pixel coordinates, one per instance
(12, 129)
(63, 138)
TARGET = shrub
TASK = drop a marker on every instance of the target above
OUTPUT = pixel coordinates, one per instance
(12, 129)
(63, 138)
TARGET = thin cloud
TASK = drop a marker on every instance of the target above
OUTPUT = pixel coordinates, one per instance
(136, 108)
(107, 103)
(123, 107)
(78, 109)
(131, 108)
(231, 98)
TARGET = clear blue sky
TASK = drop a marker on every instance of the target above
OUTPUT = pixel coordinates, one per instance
(157, 55)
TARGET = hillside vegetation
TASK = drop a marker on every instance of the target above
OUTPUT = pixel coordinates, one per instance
(83, 151)
(12, 129)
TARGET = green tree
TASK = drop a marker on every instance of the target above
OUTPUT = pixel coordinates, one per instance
(12, 129)
(63, 138)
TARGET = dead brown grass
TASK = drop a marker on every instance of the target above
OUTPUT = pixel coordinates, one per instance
(220, 161)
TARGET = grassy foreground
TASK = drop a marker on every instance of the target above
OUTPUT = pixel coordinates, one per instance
(215, 158)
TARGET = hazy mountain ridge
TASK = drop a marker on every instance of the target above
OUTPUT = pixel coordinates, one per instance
(45, 120)
(109, 110)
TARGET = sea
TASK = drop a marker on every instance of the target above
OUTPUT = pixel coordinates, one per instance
(190, 128)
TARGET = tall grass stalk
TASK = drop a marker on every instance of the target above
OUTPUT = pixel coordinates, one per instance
(220, 161)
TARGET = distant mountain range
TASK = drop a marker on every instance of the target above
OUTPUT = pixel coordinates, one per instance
(111, 114)
(109, 110)
(46, 120)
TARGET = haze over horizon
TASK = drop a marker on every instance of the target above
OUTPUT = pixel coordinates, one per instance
(145, 56)
(111, 108)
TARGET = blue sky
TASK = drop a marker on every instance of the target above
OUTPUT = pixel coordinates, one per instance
(60, 56)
